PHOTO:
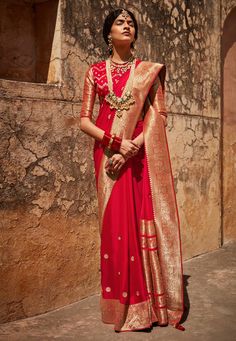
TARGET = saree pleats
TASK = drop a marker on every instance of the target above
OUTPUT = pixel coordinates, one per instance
(126, 301)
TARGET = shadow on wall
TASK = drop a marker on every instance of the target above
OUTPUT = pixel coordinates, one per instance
(26, 39)
(228, 109)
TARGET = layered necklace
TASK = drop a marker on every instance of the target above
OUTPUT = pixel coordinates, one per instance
(126, 100)
(121, 68)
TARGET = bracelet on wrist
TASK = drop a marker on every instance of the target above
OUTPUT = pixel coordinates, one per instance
(111, 141)
(106, 139)
(116, 143)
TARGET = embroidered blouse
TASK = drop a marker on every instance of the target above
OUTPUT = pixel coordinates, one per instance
(96, 83)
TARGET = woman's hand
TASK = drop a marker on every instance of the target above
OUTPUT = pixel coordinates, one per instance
(114, 163)
(128, 148)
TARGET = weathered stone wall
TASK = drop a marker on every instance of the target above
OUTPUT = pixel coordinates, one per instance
(50, 239)
(49, 235)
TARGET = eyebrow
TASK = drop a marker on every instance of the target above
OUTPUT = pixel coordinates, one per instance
(129, 20)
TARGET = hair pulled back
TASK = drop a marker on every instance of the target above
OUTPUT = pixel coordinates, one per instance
(110, 20)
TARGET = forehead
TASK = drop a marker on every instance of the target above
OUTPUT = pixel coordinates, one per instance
(124, 17)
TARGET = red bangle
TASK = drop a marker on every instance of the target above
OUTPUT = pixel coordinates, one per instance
(106, 139)
(116, 143)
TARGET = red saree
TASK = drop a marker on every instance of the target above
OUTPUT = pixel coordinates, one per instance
(141, 260)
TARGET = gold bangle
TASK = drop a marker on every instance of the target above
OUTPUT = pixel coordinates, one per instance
(111, 140)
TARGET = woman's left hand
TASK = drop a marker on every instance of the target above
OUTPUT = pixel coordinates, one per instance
(114, 163)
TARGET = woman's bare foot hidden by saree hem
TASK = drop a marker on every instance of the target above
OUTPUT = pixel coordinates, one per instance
(148, 329)
(141, 316)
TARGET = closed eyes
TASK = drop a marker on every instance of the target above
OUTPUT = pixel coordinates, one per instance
(120, 22)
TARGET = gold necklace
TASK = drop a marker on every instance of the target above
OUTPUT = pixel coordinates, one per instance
(130, 59)
(123, 64)
(126, 100)
(121, 68)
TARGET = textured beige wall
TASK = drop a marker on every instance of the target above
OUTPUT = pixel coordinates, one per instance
(50, 239)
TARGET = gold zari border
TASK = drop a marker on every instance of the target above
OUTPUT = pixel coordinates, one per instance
(165, 211)
(156, 308)
(127, 317)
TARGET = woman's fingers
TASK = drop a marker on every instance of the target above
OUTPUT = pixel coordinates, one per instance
(128, 147)
(107, 165)
(135, 146)
(132, 152)
(135, 150)
(114, 164)
(117, 162)
(117, 167)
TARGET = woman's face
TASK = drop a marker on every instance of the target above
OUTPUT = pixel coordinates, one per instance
(122, 30)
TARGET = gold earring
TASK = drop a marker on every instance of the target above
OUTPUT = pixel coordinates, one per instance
(110, 46)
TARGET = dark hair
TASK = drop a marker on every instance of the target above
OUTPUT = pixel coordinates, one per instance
(110, 20)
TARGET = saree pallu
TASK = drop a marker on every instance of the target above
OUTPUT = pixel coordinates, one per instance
(141, 260)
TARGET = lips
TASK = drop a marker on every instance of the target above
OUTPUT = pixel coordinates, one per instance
(126, 33)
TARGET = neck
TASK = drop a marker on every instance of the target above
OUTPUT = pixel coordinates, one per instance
(121, 54)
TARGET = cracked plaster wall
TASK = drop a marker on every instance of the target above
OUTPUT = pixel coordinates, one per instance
(50, 240)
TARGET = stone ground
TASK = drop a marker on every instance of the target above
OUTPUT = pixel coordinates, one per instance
(210, 291)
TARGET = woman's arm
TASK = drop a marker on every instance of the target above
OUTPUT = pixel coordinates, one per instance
(128, 147)
(88, 127)
(89, 95)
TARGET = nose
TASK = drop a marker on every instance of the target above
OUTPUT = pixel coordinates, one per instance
(126, 26)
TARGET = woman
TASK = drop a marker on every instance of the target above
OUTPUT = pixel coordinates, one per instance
(141, 264)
